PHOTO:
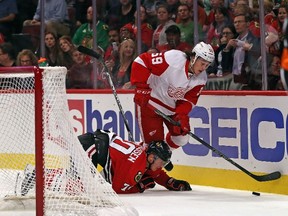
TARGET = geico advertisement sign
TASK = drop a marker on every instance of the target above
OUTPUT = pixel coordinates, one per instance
(255, 133)
(237, 129)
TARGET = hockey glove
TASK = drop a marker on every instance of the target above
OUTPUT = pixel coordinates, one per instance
(177, 185)
(142, 96)
(145, 183)
(184, 127)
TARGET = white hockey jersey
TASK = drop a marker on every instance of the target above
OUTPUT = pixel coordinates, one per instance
(166, 74)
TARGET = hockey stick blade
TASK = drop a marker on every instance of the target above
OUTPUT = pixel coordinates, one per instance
(260, 178)
(267, 177)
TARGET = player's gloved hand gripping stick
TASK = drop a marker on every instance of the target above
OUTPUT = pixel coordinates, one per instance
(261, 178)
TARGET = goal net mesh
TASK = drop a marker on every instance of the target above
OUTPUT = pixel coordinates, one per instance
(72, 185)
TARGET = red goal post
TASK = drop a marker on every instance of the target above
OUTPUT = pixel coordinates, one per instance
(37, 139)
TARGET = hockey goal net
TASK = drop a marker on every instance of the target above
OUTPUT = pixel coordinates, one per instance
(43, 165)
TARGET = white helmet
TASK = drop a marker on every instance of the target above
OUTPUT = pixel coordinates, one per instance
(204, 51)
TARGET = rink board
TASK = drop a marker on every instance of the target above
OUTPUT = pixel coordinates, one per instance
(248, 127)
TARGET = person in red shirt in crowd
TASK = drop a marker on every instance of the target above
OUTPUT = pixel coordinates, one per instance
(130, 167)
(128, 33)
(146, 28)
(173, 35)
(172, 83)
(270, 18)
(114, 41)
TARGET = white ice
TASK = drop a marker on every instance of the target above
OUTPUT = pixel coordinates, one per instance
(207, 201)
(201, 201)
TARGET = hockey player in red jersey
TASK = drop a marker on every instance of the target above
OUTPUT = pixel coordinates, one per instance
(130, 167)
(170, 82)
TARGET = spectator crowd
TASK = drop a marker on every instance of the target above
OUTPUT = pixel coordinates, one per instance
(230, 26)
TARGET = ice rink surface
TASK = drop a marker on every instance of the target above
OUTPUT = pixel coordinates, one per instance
(207, 201)
(201, 201)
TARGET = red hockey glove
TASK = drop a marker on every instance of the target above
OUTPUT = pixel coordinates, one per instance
(145, 182)
(184, 127)
(177, 185)
(142, 96)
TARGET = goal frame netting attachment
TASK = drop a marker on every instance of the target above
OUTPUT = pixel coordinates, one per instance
(43, 165)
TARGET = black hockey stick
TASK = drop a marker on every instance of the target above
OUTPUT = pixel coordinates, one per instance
(260, 178)
(94, 54)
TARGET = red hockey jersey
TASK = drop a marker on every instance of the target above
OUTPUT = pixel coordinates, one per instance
(126, 164)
